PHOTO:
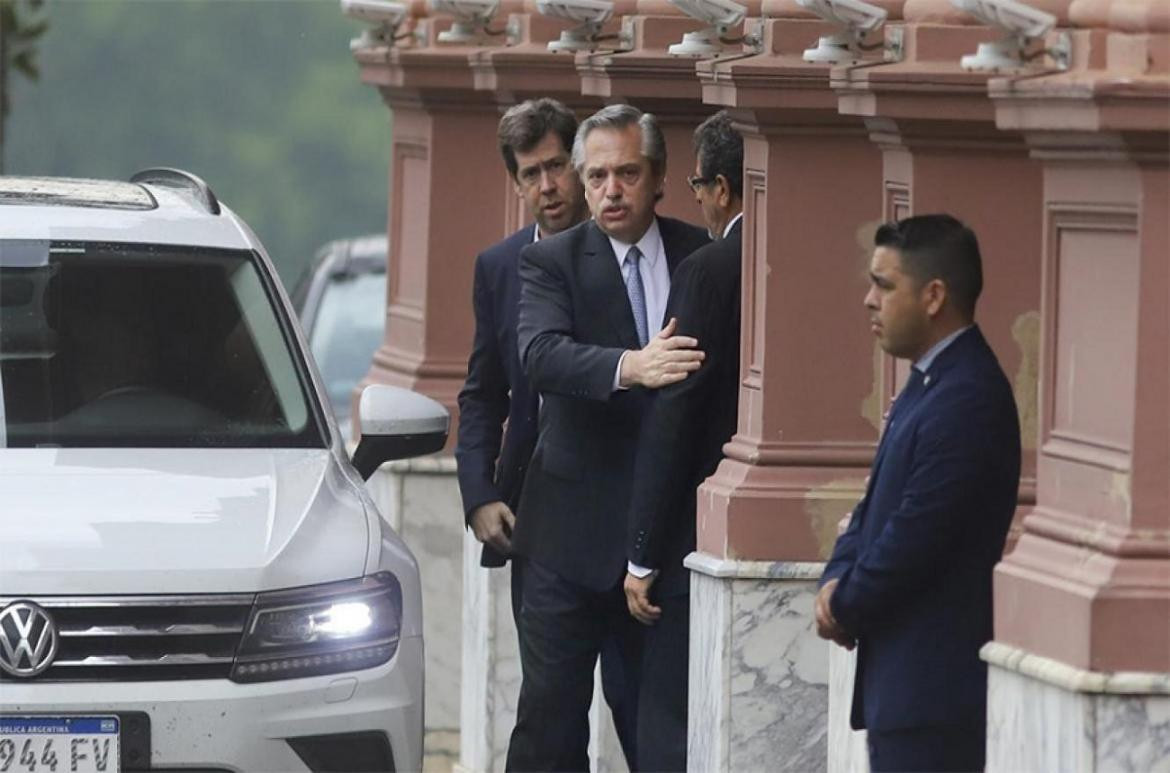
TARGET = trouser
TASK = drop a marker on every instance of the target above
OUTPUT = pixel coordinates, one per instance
(564, 627)
(943, 749)
(662, 699)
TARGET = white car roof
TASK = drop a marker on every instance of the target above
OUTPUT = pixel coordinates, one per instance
(69, 209)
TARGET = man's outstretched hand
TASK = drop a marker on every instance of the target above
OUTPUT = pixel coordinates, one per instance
(827, 626)
(665, 359)
(492, 524)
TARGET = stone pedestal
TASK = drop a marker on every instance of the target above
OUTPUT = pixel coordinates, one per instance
(420, 499)
(491, 663)
(1045, 715)
(758, 673)
(847, 749)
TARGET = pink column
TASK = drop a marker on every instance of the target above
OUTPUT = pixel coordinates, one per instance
(443, 135)
(1082, 606)
(809, 407)
(942, 152)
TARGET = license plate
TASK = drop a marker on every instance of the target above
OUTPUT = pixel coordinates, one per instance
(59, 744)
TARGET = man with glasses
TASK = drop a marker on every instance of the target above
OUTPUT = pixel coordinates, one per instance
(681, 444)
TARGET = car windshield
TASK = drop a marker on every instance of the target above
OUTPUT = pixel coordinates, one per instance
(148, 346)
(347, 330)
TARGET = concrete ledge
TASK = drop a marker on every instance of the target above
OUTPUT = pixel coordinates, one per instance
(423, 465)
(1071, 678)
(712, 566)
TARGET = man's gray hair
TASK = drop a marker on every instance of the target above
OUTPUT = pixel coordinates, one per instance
(619, 117)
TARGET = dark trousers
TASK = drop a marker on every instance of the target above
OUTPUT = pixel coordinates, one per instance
(662, 699)
(948, 749)
(563, 629)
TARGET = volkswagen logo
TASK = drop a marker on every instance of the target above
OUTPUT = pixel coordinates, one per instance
(28, 639)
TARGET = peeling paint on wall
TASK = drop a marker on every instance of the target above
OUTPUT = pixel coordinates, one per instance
(871, 406)
(826, 505)
(1120, 492)
(1026, 384)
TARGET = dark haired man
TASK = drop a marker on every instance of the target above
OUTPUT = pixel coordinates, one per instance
(591, 309)
(909, 582)
(535, 138)
(681, 443)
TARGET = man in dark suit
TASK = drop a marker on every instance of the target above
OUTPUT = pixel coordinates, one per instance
(682, 438)
(592, 302)
(535, 139)
(909, 582)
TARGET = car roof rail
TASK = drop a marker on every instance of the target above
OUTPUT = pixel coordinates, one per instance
(182, 181)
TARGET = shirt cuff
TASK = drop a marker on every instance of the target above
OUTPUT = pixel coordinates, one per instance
(640, 572)
(617, 374)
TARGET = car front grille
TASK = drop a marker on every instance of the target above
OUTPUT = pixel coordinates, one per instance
(142, 638)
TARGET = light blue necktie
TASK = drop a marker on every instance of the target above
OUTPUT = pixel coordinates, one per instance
(637, 293)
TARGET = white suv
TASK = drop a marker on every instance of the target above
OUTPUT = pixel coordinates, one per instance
(192, 574)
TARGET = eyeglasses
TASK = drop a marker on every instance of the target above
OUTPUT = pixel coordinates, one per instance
(694, 182)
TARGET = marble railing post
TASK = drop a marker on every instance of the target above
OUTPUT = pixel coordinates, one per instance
(1081, 656)
(807, 419)
(443, 137)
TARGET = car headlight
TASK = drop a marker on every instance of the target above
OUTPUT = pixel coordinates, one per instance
(323, 629)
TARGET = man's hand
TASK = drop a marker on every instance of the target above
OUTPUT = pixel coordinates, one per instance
(638, 598)
(666, 359)
(827, 626)
(492, 524)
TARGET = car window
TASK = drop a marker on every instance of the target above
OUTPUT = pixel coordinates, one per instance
(145, 346)
(347, 330)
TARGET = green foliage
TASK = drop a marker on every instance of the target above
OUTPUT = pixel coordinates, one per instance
(261, 98)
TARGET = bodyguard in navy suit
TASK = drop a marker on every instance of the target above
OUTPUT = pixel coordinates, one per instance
(909, 582)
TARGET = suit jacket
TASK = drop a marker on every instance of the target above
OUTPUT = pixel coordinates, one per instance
(688, 423)
(496, 390)
(575, 322)
(914, 566)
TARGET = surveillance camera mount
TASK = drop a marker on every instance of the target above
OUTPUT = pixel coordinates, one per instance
(471, 20)
(590, 15)
(720, 15)
(1022, 24)
(384, 18)
(855, 20)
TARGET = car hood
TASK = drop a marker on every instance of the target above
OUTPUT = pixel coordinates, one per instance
(88, 521)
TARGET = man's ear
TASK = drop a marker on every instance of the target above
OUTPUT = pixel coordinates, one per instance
(516, 186)
(722, 191)
(935, 293)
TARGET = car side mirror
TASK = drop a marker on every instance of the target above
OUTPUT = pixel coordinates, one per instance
(397, 423)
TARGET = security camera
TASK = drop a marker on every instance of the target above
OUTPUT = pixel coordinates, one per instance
(590, 15)
(1021, 23)
(854, 18)
(719, 14)
(384, 15)
(471, 18)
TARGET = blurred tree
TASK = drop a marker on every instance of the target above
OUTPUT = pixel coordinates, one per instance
(261, 99)
(22, 22)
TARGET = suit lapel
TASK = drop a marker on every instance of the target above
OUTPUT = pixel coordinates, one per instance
(602, 265)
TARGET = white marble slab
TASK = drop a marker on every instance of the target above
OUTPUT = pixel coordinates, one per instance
(1037, 723)
(758, 673)
(847, 749)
